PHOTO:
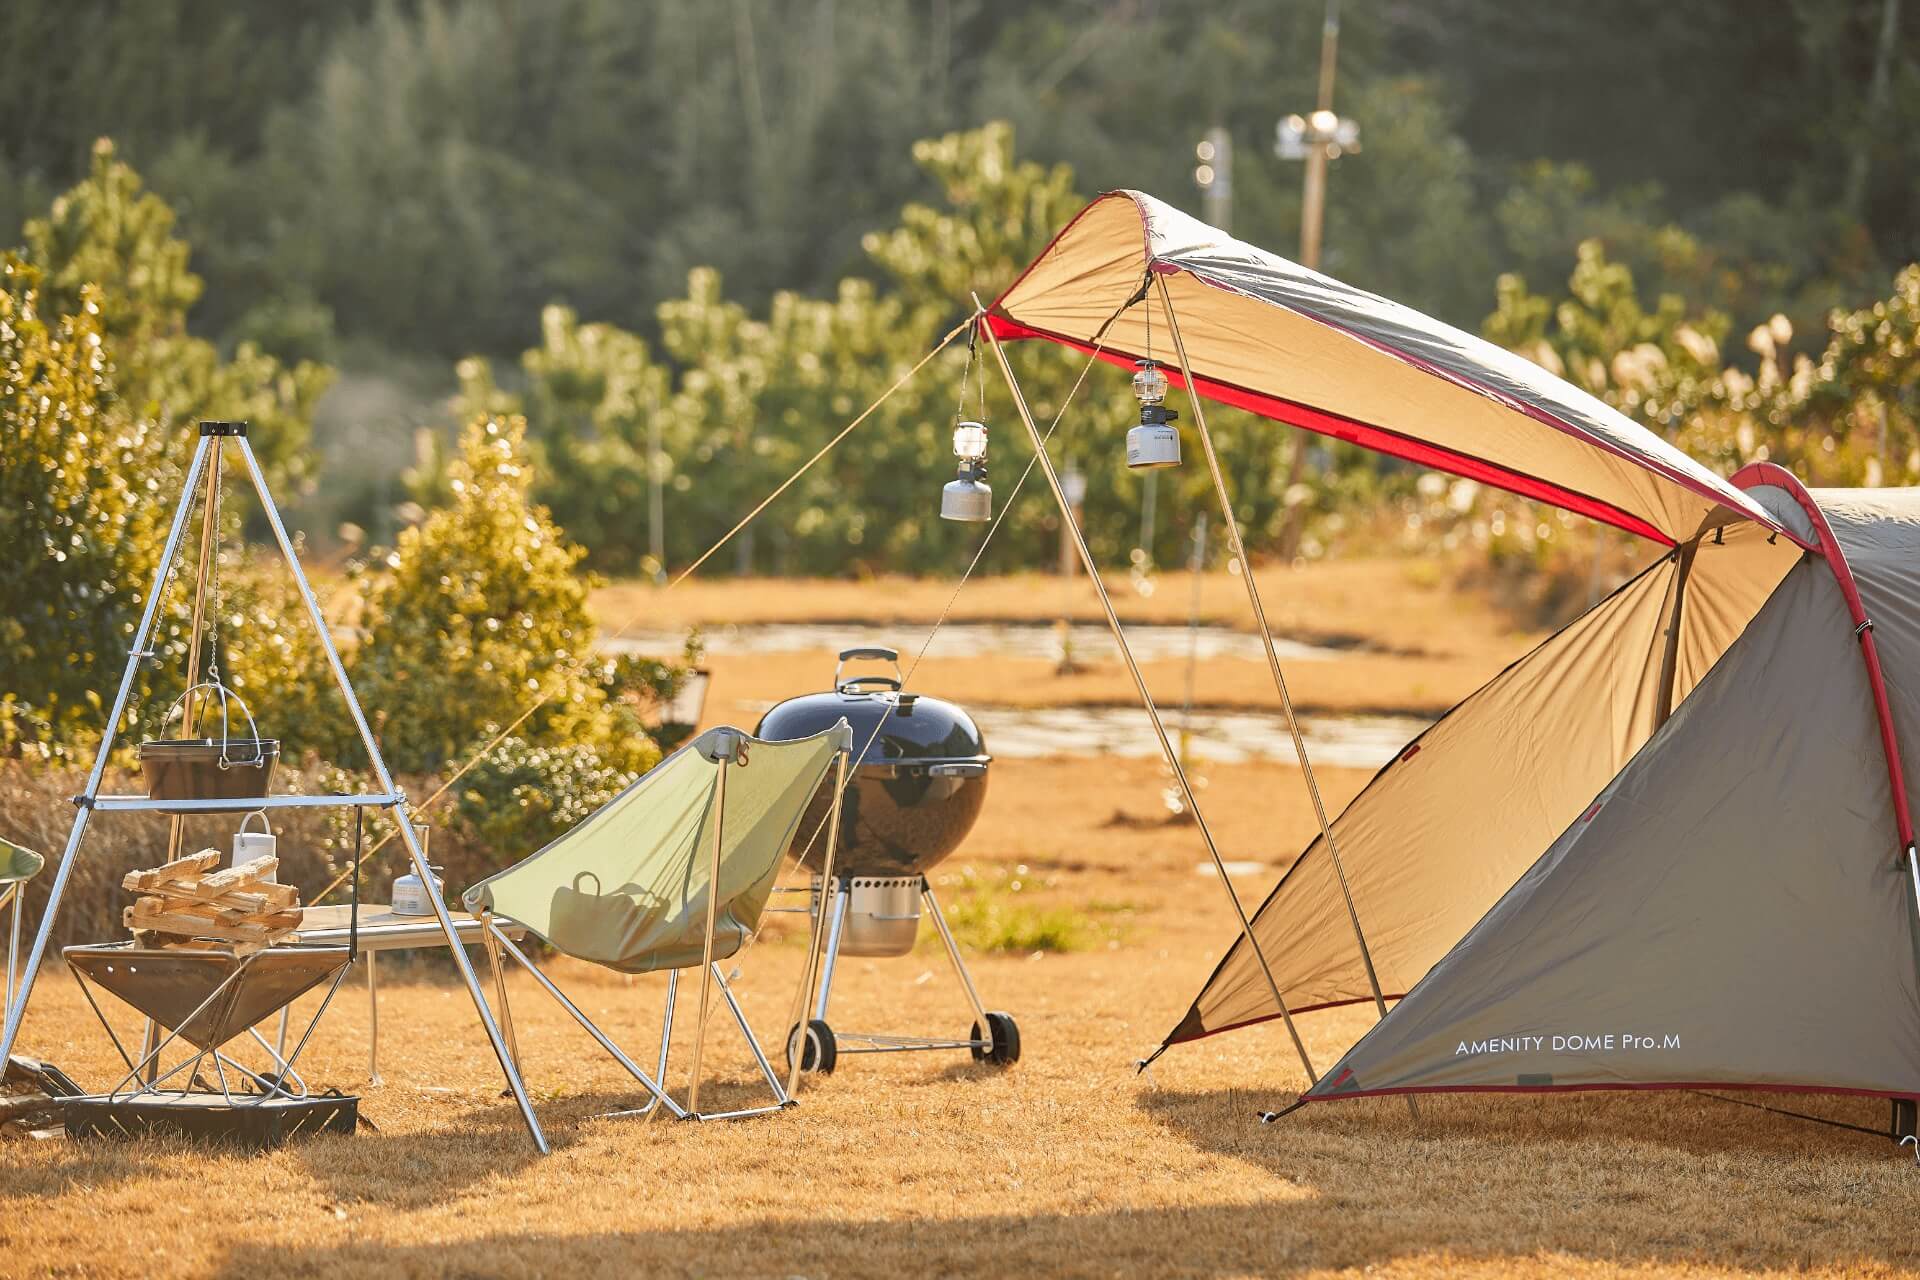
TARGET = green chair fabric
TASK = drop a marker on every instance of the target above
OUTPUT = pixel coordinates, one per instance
(627, 888)
(17, 863)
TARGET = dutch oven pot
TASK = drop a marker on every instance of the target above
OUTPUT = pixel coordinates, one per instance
(223, 768)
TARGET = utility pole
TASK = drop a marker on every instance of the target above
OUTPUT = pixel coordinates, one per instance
(1214, 176)
(1317, 139)
(656, 495)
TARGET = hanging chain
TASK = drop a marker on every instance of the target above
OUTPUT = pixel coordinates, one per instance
(1148, 315)
(966, 372)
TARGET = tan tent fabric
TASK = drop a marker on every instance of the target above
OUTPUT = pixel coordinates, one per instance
(627, 888)
(1444, 830)
(1732, 910)
(1274, 337)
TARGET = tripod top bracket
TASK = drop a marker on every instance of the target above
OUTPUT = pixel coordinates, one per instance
(210, 428)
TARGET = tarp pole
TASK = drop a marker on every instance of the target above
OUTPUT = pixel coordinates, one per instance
(1670, 652)
(1140, 684)
(1273, 656)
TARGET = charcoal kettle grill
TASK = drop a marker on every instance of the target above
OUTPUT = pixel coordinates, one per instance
(917, 785)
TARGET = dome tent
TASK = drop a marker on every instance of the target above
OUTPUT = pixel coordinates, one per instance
(1670, 846)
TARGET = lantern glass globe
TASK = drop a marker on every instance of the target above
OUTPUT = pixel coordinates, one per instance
(970, 441)
(1150, 384)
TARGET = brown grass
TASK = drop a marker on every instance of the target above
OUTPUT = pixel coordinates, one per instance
(1067, 1164)
(1406, 605)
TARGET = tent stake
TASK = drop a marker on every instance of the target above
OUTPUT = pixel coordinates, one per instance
(1273, 657)
(1140, 684)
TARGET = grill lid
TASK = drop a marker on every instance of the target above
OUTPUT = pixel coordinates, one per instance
(920, 729)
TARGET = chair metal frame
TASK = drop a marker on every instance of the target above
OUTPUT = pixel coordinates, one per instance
(501, 947)
(13, 892)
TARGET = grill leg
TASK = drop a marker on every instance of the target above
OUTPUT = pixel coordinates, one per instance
(953, 954)
(842, 895)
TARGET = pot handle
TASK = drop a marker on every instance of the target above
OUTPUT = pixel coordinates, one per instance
(873, 653)
(266, 827)
(226, 695)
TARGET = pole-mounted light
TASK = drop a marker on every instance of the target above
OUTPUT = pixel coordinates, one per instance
(1155, 443)
(968, 498)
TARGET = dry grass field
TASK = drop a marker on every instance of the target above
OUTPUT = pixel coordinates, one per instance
(1067, 1164)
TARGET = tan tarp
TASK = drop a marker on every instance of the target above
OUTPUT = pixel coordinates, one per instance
(1733, 908)
(1304, 348)
(1448, 826)
(627, 887)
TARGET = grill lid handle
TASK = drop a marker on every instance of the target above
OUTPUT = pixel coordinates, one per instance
(873, 653)
(879, 653)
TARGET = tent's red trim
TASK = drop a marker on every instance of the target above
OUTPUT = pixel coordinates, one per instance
(1755, 474)
(1367, 435)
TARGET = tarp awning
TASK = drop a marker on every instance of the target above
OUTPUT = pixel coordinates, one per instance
(1272, 337)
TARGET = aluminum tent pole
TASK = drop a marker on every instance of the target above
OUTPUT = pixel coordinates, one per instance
(1273, 657)
(402, 821)
(10, 1025)
(1140, 685)
(713, 913)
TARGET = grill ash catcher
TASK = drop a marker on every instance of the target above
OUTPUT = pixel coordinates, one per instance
(917, 786)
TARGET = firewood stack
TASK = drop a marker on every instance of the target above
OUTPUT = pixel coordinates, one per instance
(187, 900)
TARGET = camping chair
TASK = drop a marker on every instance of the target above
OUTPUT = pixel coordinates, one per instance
(17, 866)
(630, 887)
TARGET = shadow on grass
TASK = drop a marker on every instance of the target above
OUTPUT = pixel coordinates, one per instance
(1227, 1122)
(1615, 1180)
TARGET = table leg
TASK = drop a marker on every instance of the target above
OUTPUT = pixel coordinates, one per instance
(505, 1016)
(373, 1024)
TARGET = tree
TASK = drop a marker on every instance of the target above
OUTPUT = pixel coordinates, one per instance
(110, 234)
(81, 528)
(478, 613)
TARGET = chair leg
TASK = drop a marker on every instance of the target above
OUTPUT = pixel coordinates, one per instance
(753, 1041)
(13, 942)
(587, 1025)
(666, 1043)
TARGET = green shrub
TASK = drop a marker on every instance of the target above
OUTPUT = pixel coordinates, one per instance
(524, 795)
(477, 614)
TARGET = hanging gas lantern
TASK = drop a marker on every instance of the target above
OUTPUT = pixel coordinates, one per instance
(1155, 443)
(968, 498)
